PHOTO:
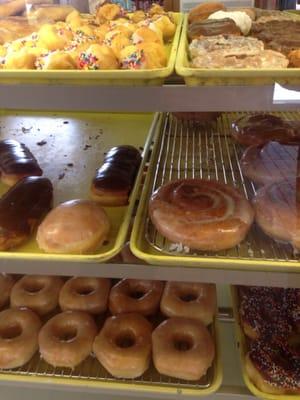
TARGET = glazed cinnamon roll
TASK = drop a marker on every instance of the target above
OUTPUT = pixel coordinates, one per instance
(201, 214)
(16, 162)
(114, 180)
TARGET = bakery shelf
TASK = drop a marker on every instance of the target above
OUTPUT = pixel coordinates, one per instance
(69, 148)
(189, 150)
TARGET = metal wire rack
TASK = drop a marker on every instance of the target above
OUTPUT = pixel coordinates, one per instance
(191, 150)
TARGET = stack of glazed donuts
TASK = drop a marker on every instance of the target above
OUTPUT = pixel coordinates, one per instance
(125, 326)
(270, 319)
(271, 161)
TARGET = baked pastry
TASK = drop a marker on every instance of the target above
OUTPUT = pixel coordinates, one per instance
(117, 42)
(241, 19)
(56, 60)
(16, 162)
(23, 59)
(74, 227)
(143, 56)
(15, 7)
(6, 284)
(50, 12)
(200, 214)
(98, 57)
(144, 34)
(12, 28)
(270, 163)
(258, 129)
(54, 37)
(165, 25)
(203, 11)
(115, 179)
(294, 57)
(251, 12)
(277, 211)
(22, 208)
(108, 12)
(211, 27)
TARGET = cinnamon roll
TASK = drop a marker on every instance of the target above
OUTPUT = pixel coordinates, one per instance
(201, 214)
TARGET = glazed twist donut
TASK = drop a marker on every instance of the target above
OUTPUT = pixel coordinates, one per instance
(201, 214)
(19, 330)
(277, 211)
(190, 300)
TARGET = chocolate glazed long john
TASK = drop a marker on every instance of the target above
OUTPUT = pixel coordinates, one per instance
(21, 209)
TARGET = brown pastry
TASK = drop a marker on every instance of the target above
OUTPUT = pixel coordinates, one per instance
(50, 12)
(204, 10)
(16, 162)
(12, 28)
(212, 27)
(114, 180)
(294, 57)
(15, 7)
(21, 209)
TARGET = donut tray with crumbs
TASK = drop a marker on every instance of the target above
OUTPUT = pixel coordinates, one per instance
(91, 374)
(241, 343)
(190, 150)
(69, 148)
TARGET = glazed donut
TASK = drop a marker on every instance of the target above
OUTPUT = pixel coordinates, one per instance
(182, 348)
(19, 330)
(270, 163)
(273, 368)
(123, 346)
(200, 214)
(37, 292)
(133, 295)
(258, 129)
(190, 300)
(6, 284)
(277, 211)
(66, 339)
(85, 294)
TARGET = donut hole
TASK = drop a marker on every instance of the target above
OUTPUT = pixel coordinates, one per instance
(10, 331)
(125, 340)
(85, 290)
(137, 294)
(183, 342)
(188, 297)
(68, 334)
(33, 287)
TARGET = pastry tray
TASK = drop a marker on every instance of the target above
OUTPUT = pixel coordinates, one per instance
(187, 150)
(153, 77)
(70, 147)
(203, 76)
(241, 343)
(90, 374)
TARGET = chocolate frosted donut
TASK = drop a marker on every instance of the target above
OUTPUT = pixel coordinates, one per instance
(259, 129)
(212, 27)
(115, 178)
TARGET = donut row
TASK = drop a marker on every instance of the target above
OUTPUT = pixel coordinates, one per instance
(76, 226)
(270, 319)
(124, 343)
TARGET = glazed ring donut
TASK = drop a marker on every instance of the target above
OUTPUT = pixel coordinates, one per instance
(190, 300)
(133, 295)
(200, 214)
(85, 294)
(37, 292)
(270, 163)
(277, 211)
(6, 284)
(272, 368)
(123, 346)
(67, 339)
(19, 330)
(182, 348)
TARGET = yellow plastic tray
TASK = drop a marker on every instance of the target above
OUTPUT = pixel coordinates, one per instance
(80, 140)
(90, 374)
(154, 77)
(187, 150)
(242, 346)
(203, 77)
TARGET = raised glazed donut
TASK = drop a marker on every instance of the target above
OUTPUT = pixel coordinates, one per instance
(190, 300)
(123, 346)
(277, 211)
(258, 129)
(37, 292)
(19, 330)
(182, 348)
(270, 163)
(200, 214)
(85, 294)
(66, 339)
(6, 284)
(133, 295)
